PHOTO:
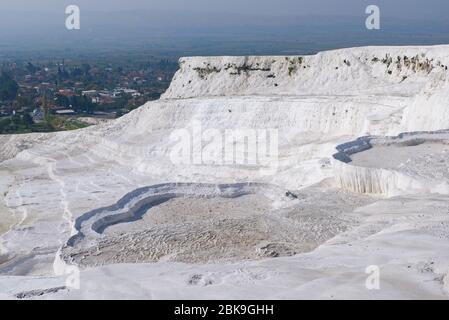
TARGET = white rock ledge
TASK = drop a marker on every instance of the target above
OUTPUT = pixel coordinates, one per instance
(386, 181)
(136, 203)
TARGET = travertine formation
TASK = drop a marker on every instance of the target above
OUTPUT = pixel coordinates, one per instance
(111, 201)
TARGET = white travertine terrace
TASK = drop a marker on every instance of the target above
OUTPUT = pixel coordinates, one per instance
(390, 166)
(319, 102)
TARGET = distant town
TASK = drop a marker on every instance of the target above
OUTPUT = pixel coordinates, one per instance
(37, 96)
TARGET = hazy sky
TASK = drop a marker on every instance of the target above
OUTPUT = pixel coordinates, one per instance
(415, 9)
(314, 24)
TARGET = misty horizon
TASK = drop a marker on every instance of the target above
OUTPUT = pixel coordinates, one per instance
(202, 28)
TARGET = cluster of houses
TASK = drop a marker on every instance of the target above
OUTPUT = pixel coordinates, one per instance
(100, 97)
(107, 96)
(54, 81)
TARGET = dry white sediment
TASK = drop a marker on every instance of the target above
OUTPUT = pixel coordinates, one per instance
(317, 103)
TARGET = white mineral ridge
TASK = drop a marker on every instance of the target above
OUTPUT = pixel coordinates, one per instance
(316, 103)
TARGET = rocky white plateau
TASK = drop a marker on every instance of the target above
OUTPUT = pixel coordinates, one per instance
(360, 179)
